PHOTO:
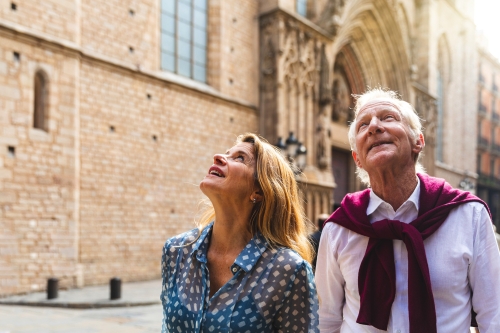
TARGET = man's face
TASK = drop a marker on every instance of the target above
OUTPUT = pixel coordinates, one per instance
(383, 139)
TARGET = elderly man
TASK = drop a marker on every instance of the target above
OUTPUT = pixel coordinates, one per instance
(409, 254)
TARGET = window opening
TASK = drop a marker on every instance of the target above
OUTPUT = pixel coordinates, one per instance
(184, 38)
(40, 103)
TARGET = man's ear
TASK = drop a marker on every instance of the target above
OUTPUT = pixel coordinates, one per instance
(419, 144)
(356, 159)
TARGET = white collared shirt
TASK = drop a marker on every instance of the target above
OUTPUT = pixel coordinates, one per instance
(462, 256)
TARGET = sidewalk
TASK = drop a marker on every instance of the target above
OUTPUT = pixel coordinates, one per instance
(132, 294)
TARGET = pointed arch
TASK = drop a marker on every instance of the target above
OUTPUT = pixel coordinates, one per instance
(373, 31)
(40, 107)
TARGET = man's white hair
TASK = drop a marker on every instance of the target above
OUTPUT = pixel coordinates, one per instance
(408, 114)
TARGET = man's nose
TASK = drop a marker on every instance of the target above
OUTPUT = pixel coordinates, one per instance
(375, 126)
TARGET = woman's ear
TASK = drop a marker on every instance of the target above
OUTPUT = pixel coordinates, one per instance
(257, 195)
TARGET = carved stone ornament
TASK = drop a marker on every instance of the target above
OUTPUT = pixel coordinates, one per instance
(269, 58)
(341, 93)
(323, 139)
(330, 18)
(325, 96)
(323, 119)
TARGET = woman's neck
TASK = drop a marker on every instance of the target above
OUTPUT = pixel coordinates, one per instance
(231, 230)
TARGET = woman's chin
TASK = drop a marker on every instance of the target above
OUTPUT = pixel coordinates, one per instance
(207, 187)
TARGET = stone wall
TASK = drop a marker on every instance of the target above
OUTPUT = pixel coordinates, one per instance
(56, 18)
(123, 30)
(37, 238)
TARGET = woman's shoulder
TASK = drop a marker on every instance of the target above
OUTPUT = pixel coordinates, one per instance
(187, 238)
(287, 259)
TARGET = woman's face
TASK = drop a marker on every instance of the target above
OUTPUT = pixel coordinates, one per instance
(231, 177)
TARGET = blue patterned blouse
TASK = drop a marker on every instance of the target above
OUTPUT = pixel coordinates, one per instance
(272, 289)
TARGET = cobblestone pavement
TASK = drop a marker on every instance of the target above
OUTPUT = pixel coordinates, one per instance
(29, 319)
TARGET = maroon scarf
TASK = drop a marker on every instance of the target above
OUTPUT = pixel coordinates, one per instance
(377, 276)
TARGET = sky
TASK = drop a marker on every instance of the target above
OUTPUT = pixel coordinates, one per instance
(487, 18)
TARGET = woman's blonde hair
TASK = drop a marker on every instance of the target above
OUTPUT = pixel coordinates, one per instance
(279, 217)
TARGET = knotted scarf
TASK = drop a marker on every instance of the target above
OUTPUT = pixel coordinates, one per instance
(377, 275)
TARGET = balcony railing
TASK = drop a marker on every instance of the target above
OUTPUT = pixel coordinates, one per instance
(482, 108)
(495, 116)
(482, 142)
(489, 180)
(494, 87)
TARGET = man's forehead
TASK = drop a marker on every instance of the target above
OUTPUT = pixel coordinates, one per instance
(378, 104)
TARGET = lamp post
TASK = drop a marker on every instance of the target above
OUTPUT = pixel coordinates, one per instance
(466, 184)
(294, 151)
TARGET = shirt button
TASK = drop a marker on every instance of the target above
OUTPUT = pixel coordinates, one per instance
(234, 269)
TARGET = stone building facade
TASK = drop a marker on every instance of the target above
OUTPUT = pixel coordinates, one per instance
(488, 132)
(110, 113)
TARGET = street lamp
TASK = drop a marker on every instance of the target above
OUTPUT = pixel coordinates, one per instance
(300, 157)
(291, 145)
(466, 184)
(294, 151)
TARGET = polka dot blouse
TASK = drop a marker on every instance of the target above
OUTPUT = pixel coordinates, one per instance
(272, 289)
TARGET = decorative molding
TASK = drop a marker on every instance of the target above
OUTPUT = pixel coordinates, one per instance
(299, 21)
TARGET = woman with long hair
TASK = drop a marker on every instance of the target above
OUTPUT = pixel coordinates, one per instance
(246, 268)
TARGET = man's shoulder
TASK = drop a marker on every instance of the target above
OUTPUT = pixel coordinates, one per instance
(471, 206)
(335, 232)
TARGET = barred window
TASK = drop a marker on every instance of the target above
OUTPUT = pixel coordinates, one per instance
(302, 7)
(184, 38)
(40, 101)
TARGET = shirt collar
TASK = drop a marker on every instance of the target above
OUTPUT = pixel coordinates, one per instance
(200, 247)
(245, 260)
(251, 253)
(376, 201)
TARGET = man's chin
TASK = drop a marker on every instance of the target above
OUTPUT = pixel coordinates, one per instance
(379, 159)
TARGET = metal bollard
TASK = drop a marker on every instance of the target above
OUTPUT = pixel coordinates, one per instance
(52, 286)
(115, 286)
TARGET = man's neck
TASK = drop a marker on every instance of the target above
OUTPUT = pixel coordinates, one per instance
(395, 190)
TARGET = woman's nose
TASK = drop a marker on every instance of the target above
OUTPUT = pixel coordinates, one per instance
(219, 159)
